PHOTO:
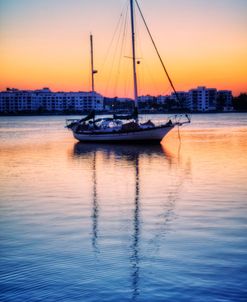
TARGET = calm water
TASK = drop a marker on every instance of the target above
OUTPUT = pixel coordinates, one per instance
(123, 223)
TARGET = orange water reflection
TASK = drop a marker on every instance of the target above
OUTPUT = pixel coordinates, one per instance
(209, 155)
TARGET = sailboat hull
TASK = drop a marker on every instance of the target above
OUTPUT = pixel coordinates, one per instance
(152, 134)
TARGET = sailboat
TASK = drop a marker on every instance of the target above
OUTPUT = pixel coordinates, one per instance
(126, 128)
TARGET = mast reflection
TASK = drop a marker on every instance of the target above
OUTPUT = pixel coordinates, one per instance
(95, 212)
(136, 235)
(133, 155)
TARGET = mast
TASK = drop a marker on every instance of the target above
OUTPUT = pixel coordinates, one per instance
(93, 71)
(92, 68)
(134, 56)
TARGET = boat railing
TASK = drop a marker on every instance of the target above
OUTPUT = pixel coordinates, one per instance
(71, 120)
(180, 119)
(175, 119)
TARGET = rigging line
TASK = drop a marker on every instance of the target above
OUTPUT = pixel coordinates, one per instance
(113, 37)
(139, 54)
(117, 28)
(124, 46)
(147, 74)
(147, 71)
(121, 50)
(113, 62)
(161, 61)
(127, 79)
(126, 67)
(137, 46)
(144, 76)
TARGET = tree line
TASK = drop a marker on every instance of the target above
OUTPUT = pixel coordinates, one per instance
(240, 102)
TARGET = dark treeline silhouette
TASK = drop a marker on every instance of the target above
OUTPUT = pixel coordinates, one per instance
(240, 102)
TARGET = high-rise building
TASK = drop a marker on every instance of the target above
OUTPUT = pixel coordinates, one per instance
(202, 99)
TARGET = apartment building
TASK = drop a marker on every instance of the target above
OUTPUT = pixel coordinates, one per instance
(14, 100)
(201, 99)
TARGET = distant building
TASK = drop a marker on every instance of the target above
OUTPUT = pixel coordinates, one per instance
(14, 100)
(147, 102)
(182, 96)
(201, 99)
(84, 101)
(146, 99)
(162, 99)
(116, 104)
(17, 101)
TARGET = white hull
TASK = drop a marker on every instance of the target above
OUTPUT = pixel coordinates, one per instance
(151, 134)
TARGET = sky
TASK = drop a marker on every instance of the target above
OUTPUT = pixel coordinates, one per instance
(46, 44)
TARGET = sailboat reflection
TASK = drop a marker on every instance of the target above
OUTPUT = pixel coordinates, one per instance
(132, 154)
(123, 151)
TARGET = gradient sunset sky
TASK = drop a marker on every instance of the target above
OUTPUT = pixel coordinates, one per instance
(46, 44)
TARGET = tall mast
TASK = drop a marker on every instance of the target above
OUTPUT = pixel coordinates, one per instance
(92, 67)
(134, 53)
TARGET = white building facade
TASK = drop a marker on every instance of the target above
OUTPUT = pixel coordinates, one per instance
(201, 99)
(16, 101)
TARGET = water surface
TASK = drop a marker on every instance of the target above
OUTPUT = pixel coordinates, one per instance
(88, 222)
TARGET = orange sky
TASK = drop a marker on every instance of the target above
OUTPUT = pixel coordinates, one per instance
(46, 43)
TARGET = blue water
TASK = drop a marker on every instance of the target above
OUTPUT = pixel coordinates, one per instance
(88, 222)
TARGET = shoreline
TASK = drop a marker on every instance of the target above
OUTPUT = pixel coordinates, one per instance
(107, 113)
